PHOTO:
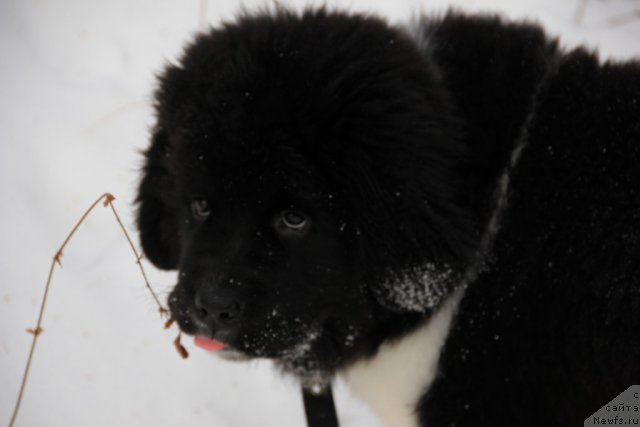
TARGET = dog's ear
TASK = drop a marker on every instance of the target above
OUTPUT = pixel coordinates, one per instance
(157, 212)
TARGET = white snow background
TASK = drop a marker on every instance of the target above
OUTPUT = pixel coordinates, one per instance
(75, 84)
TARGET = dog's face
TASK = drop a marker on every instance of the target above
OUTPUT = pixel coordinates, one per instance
(301, 178)
(265, 264)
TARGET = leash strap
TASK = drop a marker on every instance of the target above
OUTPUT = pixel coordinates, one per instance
(319, 407)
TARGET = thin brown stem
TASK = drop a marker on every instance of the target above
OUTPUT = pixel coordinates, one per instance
(107, 200)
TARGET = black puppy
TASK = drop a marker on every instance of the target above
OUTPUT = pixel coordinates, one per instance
(448, 215)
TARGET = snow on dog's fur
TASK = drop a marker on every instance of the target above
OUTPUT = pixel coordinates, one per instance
(462, 201)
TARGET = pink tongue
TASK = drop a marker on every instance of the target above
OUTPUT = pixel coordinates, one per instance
(208, 344)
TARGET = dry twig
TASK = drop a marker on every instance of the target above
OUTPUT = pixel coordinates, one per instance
(179, 347)
(107, 200)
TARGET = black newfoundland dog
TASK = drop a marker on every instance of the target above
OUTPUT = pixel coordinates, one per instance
(447, 215)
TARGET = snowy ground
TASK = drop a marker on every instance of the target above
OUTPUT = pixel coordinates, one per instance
(75, 82)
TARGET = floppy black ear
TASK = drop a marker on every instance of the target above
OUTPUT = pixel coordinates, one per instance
(157, 216)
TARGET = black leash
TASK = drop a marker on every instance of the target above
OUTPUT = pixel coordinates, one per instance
(319, 407)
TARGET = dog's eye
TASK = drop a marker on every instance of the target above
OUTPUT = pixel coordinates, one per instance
(200, 207)
(294, 220)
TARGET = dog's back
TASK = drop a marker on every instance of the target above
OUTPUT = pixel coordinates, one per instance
(548, 332)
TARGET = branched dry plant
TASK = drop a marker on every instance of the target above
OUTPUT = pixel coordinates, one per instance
(107, 201)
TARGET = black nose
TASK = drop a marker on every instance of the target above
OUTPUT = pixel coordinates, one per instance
(222, 306)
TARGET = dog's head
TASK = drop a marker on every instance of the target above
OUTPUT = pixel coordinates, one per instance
(302, 177)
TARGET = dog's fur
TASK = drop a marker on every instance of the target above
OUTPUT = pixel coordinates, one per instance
(465, 163)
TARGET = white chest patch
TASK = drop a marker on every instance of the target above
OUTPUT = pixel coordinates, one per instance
(398, 375)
